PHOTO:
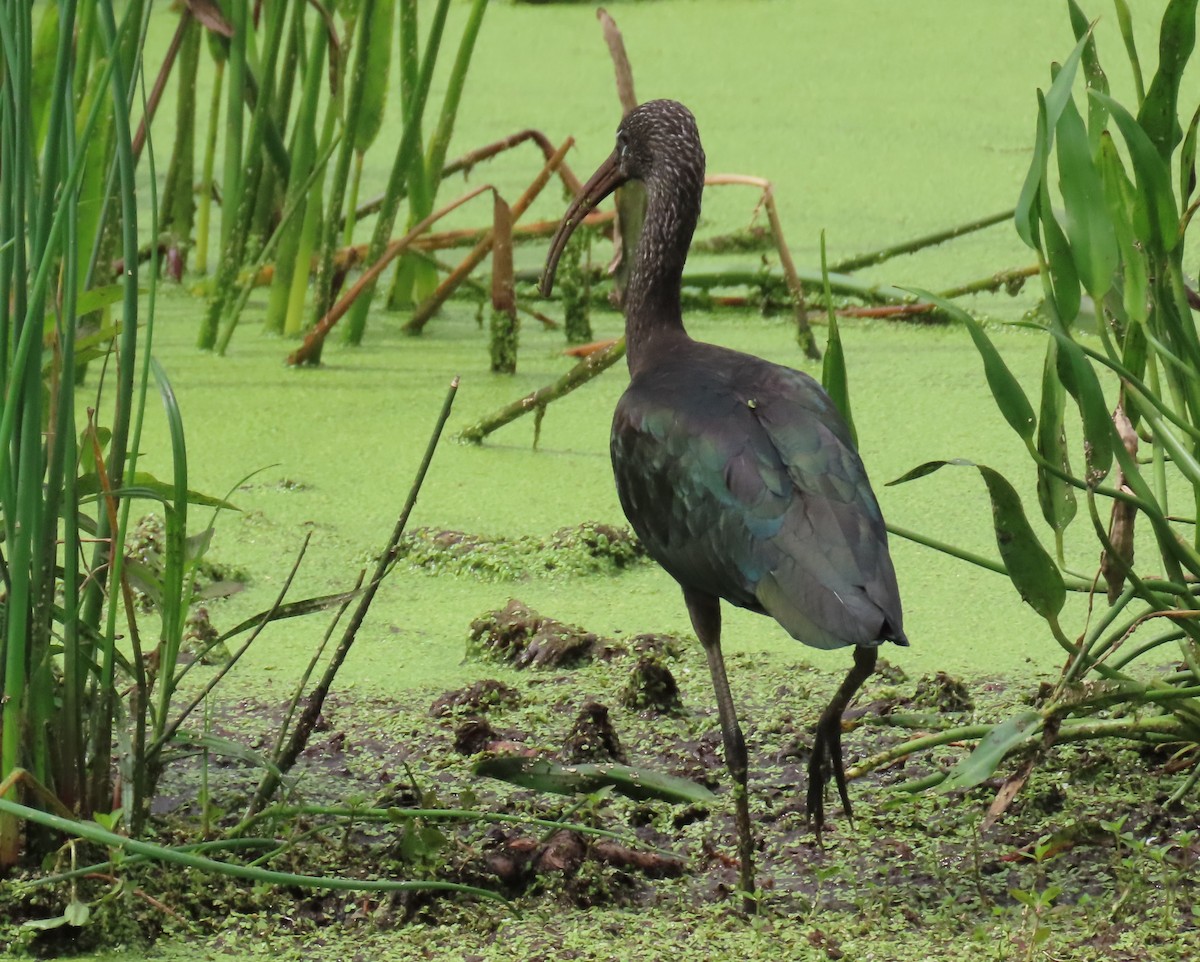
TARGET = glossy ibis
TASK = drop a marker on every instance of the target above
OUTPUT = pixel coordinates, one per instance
(739, 475)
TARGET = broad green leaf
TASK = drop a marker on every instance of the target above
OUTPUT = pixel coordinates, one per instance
(1130, 222)
(1088, 226)
(1153, 177)
(1030, 568)
(1158, 114)
(1079, 378)
(1007, 391)
(77, 913)
(1055, 495)
(1050, 107)
(379, 38)
(1125, 21)
(1092, 71)
(1025, 217)
(547, 776)
(926, 469)
(1063, 288)
(989, 753)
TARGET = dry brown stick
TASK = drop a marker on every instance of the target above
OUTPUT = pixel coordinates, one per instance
(468, 160)
(160, 82)
(888, 310)
(580, 374)
(430, 306)
(620, 59)
(1016, 276)
(444, 240)
(803, 331)
(317, 335)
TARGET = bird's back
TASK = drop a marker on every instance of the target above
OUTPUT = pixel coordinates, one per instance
(740, 477)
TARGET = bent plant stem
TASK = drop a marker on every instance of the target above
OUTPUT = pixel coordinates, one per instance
(427, 309)
(804, 333)
(1157, 728)
(580, 374)
(311, 347)
(316, 699)
(101, 836)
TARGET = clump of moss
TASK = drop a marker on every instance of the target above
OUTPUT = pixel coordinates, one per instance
(943, 692)
(593, 738)
(651, 685)
(476, 699)
(518, 634)
(586, 549)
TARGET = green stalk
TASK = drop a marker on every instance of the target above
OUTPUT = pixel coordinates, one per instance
(234, 117)
(178, 856)
(416, 278)
(252, 181)
(204, 212)
(303, 151)
(407, 149)
(178, 202)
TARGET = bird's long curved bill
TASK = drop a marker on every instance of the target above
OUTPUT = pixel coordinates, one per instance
(602, 183)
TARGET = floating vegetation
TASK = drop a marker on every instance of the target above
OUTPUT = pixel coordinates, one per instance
(587, 549)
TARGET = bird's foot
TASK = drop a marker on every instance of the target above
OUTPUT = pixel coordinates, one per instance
(826, 761)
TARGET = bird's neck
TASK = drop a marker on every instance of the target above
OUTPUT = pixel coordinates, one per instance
(653, 316)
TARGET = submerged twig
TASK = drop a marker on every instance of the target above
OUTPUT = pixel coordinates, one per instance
(851, 264)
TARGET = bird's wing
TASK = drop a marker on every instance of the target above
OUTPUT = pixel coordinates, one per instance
(758, 498)
(832, 582)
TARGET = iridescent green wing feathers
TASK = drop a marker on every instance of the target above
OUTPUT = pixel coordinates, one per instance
(773, 512)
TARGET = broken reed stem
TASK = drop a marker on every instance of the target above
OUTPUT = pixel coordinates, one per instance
(426, 310)
(467, 161)
(804, 334)
(317, 335)
(620, 59)
(580, 374)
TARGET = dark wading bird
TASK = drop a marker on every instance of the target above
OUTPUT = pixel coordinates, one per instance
(739, 475)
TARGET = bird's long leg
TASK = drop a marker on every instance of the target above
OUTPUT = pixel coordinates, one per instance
(827, 745)
(705, 611)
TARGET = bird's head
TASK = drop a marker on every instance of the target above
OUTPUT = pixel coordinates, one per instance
(656, 140)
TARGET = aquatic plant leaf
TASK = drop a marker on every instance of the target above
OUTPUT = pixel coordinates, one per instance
(1125, 23)
(1028, 565)
(1050, 107)
(1060, 263)
(1096, 78)
(145, 485)
(547, 776)
(1056, 496)
(1158, 113)
(1079, 378)
(1088, 226)
(990, 752)
(1187, 160)
(1153, 177)
(1129, 222)
(1006, 389)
